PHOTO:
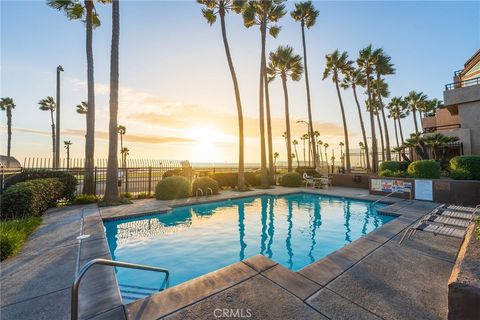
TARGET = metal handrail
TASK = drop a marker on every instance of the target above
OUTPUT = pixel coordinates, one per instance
(211, 192)
(384, 197)
(196, 192)
(105, 262)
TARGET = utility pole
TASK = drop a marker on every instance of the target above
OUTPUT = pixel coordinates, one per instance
(56, 162)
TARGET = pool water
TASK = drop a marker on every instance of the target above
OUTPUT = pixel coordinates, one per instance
(294, 230)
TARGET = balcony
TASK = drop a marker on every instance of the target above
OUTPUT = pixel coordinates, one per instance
(460, 92)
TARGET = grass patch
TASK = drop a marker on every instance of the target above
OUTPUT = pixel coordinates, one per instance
(14, 233)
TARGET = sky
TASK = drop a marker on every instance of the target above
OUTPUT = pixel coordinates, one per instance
(176, 95)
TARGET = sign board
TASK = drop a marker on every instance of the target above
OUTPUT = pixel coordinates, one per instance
(390, 185)
(423, 190)
(442, 186)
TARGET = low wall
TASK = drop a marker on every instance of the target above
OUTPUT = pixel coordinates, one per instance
(350, 180)
(464, 282)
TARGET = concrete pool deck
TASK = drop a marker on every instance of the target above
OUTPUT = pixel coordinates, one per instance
(372, 278)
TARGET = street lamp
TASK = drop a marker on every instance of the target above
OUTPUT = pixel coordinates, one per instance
(57, 134)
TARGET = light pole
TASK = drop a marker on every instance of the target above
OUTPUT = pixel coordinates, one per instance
(57, 134)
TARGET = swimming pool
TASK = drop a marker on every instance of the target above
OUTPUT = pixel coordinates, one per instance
(294, 230)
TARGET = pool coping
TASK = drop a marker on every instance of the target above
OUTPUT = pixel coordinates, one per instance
(314, 276)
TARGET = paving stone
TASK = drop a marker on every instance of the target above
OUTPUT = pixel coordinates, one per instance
(292, 281)
(51, 306)
(114, 314)
(259, 263)
(189, 292)
(93, 249)
(336, 307)
(389, 230)
(258, 297)
(397, 283)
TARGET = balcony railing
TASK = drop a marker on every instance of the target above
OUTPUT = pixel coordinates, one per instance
(461, 84)
(442, 127)
(457, 73)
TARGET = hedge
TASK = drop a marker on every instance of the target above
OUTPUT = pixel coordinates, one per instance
(291, 179)
(392, 174)
(470, 164)
(30, 198)
(308, 170)
(230, 179)
(424, 169)
(460, 174)
(174, 187)
(204, 183)
(68, 180)
(393, 166)
(170, 173)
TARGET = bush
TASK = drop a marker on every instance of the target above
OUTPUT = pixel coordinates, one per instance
(14, 233)
(308, 170)
(143, 195)
(127, 195)
(173, 187)
(291, 179)
(86, 199)
(424, 169)
(393, 174)
(204, 183)
(467, 163)
(226, 179)
(460, 174)
(170, 173)
(68, 180)
(252, 179)
(393, 166)
(30, 198)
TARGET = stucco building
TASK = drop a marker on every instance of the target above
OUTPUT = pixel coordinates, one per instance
(461, 115)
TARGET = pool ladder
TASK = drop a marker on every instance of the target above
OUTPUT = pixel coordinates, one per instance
(106, 262)
(200, 190)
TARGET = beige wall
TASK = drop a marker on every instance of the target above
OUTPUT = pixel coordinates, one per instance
(469, 116)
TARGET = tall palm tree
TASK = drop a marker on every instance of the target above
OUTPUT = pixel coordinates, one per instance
(381, 87)
(48, 104)
(111, 187)
(262, 14)
(362, 147)
(366, 62)
(275, 158)
(122, 130)
(7, 105)
(341, 144)
(295, 143)
(325, 146)
(383, 67)
(354, 78)
(124, 153)
(66, 145)
(304, 138)
(76, 10)
(320, 143)
(306, 13)
(284, 63)
(212, 9)
(337, 64)
(397, 110)
(415, 101)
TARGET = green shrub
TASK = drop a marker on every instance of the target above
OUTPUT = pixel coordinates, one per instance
(393, 174)
(253, 179)
(30, 198)
(203, 183)
(143, 195)
(308, 170)
(68, 180)
(424, 169)
(460, 174)
(226, 179)
(173, 187)
(127, 195)
(393, 166)
(291, 179)
(467, 163)
(14, 233)
(169, 173)
(86, 199)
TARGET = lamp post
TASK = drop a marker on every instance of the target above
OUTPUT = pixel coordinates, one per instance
(57, 133)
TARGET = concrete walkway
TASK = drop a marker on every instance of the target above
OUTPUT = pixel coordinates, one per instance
(372, 278)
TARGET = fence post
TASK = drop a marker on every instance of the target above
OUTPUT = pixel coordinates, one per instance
(126, 180)
(149, 180)
(94, 180)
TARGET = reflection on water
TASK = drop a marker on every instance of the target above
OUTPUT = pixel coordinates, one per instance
(294, 230)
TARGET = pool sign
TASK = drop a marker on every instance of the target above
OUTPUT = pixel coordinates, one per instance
(390, 185)
(423, 190)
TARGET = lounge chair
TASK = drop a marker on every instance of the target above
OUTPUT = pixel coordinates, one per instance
(461, 208)
(436, 229)
(309, 180)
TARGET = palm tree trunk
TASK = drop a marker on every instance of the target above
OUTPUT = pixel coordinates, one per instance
(111, 189)
(287, 122)
(88, 183)
(304, 154)
(362, 125)
(296, 156)
(68, 157)
(326, 160)
(9, 135)
(345, 129)
(372, 128)
(385, 126)
(396, 134)
(307, 84)
(414, 113)
(241, 157)
(321, 155)
(263, 156)
(271, 168)
(381, 135)
(53, 136)
(401, 132)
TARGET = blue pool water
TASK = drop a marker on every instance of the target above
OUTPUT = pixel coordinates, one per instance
(294, 230)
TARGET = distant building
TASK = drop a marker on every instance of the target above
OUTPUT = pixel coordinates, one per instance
(461, 115)
(13, 162)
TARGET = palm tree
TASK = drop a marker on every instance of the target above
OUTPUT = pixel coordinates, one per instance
(124, 153)
(211, 10)
(48, 104)
(320, 143)
(7, 105)
(306, 13)
(111, 187)
(75, 10)
(261, 13)
(362, 147)
(438, 143)
(383, 67)
(354, 78)
(122, 130)
(275, 157)
(284, 63)
(341, 144)
(398, 110)
(415, 101)
(304, 138)
(325, 146)
(295, 143)
(366, 62)
(338, 63)
(381, 87)
(66, 145)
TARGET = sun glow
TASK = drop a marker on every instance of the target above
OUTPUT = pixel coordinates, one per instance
(206, 149)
